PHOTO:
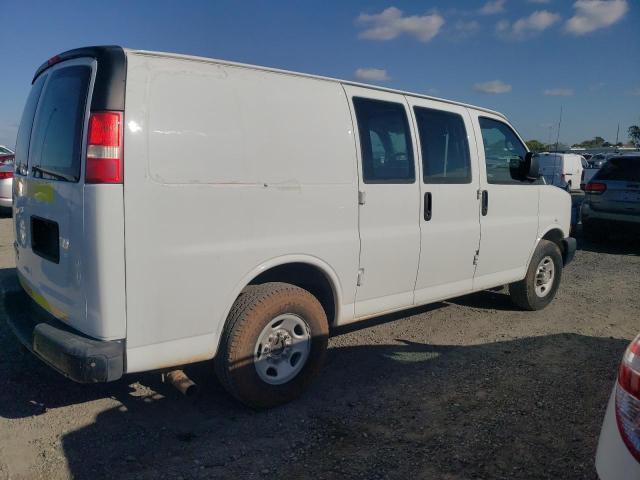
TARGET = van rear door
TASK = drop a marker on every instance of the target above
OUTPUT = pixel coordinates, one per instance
(69, 234)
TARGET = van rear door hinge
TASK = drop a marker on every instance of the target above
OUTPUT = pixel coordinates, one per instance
(475, 257)
(362, 197)
(360, 276)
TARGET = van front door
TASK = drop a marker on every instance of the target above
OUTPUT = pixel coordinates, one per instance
(389, 198)
(450, 220)
(509, 205)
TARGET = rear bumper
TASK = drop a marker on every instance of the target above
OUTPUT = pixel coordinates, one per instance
(6, 202)
(74, 355)
(589, 214)
(569, 250)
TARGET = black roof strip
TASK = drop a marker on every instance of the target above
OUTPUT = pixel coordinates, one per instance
(109, 88)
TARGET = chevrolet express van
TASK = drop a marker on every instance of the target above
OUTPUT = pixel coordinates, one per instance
(563, 170)
(173, 209)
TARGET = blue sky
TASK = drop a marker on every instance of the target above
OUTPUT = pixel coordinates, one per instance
(524, 58)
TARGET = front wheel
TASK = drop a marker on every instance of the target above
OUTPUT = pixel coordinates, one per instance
(273, 344)
(540, 285)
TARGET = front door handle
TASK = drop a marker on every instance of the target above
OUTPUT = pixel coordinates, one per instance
(485, 202)
(428, 206)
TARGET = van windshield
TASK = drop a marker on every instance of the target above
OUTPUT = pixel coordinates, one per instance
(56, 140)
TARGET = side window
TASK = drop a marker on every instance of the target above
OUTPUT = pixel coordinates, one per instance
(385, 142)
(26, 123)
(444, 146)
(504, 153)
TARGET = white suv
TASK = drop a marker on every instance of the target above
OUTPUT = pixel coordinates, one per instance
(184, 209)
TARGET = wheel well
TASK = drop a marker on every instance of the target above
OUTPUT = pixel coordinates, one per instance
(556, 236)
(304, 276)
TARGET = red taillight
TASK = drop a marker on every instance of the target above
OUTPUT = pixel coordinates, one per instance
(595, 187)
(628, 398)
(4, 175)
(104, 148)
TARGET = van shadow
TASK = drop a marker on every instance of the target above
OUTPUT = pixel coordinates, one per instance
(514, 409)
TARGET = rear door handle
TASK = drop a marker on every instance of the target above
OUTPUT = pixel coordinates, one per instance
(428, 206)
(485, 202)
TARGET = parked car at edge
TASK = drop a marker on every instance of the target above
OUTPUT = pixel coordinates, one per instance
(6, 183)
(562, 170)
(612, 197)
(6, 154)
(298, 202)
(618, 455)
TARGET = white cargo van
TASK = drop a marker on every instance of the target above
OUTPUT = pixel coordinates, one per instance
(173, 209)
(563, 170)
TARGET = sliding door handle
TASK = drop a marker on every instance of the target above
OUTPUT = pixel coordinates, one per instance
(428, 205)
(485, 202)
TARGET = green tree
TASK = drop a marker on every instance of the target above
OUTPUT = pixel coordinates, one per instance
(634, 135)
(535, 146)
(595, 142)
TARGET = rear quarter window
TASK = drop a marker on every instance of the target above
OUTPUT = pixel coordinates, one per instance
(623, 168)
(24, 131)
(56, 141)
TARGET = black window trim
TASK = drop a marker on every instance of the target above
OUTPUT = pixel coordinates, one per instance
(444, 181)
(513, 182)
(407, 181)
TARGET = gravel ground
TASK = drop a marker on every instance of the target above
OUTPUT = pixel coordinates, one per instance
(471, 388)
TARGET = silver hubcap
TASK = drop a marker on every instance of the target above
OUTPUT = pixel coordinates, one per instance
(545, 275)
(282, 349)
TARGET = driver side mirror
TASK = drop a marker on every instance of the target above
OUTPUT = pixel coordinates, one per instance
(531, 167)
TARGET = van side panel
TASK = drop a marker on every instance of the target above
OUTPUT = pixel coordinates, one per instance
(226, 169)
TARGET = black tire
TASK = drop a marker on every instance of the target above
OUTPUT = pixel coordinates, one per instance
(254, 309)
(523, 293)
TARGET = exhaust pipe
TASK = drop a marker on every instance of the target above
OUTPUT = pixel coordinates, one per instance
(184, 384)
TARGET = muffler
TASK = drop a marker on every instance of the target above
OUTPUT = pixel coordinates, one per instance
(184, 384)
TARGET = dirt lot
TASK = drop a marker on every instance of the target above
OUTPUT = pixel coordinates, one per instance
(471, 388)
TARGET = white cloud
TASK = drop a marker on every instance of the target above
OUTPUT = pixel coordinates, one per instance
(372, 75)
(494, 86)
(595, 14)
(391, 23)
(464, 29)
(527, 26)
(558, 92)
(492, 7)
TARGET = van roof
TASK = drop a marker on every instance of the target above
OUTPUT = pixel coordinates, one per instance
(306, 75)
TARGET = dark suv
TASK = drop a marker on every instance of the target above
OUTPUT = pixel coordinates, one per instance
(612, 197)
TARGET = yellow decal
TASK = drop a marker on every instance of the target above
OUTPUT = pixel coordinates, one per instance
(41, 192)
(40, 300)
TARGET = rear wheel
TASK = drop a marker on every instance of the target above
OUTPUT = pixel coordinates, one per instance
(273, 345)
(540, 285)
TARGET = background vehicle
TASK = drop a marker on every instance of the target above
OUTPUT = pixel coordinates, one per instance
(612, 197)
(298, 202)
(5, 154)
(6, 183)
(618, 456)
(563, 170)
